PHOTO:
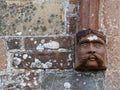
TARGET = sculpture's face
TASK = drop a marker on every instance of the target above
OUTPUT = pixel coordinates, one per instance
(91, 53)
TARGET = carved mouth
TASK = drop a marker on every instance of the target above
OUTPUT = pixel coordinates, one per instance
(92, 58)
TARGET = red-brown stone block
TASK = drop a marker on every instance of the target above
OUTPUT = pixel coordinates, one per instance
(72, 24)
(73, 1)
(89, 12)
(43, 43)
(3, 57)
(43, 60)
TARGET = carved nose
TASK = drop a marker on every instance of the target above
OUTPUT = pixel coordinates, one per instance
(91, 49)
(91, 52)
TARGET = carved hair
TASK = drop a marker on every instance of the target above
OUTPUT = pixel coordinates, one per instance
(83, 33)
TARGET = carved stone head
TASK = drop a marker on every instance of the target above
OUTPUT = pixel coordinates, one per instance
(90, 50)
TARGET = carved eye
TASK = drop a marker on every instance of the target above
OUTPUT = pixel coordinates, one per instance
(84, 45)
(98, 45)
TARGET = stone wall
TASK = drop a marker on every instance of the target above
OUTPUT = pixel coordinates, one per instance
(110, 24)
(37, 46)
(36, 41)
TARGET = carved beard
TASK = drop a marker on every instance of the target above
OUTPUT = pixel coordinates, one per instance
(86, 58)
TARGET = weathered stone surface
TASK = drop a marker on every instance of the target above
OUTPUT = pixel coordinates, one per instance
(3, 80)
(29, 80)
(112, 20)
(32, 17)
(73, 81)
(73, 1)
(112, 80)
(111, 25)
(56, 80)
(72, 16)
(72, 25)
(37, 60)
(113, 53)
(3, 56)
(42, 43)
(14, 43)
(45, 17)
(89, 12)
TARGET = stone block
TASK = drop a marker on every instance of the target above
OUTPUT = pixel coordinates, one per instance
(113, 53)
(3, 56)
(43, 60)
(43, 43)
(72, 16)
(29, 80)
(111, 20)
(111, 23)
(112, 80)
(73, 1)
(72, 81)
(32, 17)
(14, 43)
(72, 24)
